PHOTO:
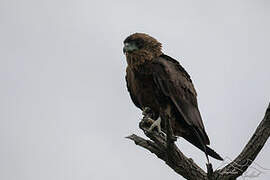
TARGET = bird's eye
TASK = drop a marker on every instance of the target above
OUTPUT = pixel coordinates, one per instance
(138, 43)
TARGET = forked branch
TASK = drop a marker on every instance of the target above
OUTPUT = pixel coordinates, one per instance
(189, 169)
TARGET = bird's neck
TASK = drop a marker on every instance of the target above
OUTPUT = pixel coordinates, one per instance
(138, 61)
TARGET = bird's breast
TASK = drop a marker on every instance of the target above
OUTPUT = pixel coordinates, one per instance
(145, 88)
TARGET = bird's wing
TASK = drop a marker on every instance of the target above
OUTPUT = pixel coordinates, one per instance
(129, 79)
(174, 82)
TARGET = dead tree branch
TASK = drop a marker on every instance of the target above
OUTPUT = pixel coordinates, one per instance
(189, 169)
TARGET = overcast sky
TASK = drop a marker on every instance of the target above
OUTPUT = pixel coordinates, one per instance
(65, 110)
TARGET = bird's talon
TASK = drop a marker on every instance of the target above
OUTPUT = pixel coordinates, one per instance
(146, 111)
(156, 124)
(162, 134)
(174, 138)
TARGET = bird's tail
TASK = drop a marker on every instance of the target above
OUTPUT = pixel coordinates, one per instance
(213, 153)
(197, 141)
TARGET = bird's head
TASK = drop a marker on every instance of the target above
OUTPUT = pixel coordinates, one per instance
(140, 43)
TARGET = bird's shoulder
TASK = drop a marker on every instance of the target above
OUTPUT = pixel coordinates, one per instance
(172, 70)
(171, 61)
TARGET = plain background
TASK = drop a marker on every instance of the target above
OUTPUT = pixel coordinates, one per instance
(65, 110)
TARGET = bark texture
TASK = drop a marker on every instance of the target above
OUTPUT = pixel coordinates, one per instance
(166, 150)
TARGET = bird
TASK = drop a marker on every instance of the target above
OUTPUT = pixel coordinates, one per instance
(157, 81)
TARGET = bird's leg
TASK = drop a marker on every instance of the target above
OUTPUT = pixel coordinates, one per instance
(170, 138)
(157, 124)
(208, 162)
(209, 170)
(168, 117)
(146, 117)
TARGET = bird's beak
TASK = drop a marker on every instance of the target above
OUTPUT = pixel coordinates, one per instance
(124, 50)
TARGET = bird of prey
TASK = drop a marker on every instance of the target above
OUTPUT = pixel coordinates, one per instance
(159, 82)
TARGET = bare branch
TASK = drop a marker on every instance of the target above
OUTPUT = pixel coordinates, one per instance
(180, 163)
(190, 170)
(240, 164)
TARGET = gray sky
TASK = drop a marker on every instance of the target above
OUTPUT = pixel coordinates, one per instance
(65, 110)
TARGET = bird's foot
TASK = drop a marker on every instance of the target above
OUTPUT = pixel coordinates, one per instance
(156, 124)
(148, 121)
(146, 111)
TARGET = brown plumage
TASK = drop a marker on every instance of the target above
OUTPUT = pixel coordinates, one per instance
(159, 82)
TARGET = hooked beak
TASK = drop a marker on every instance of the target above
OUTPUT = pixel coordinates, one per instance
(124, 49)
